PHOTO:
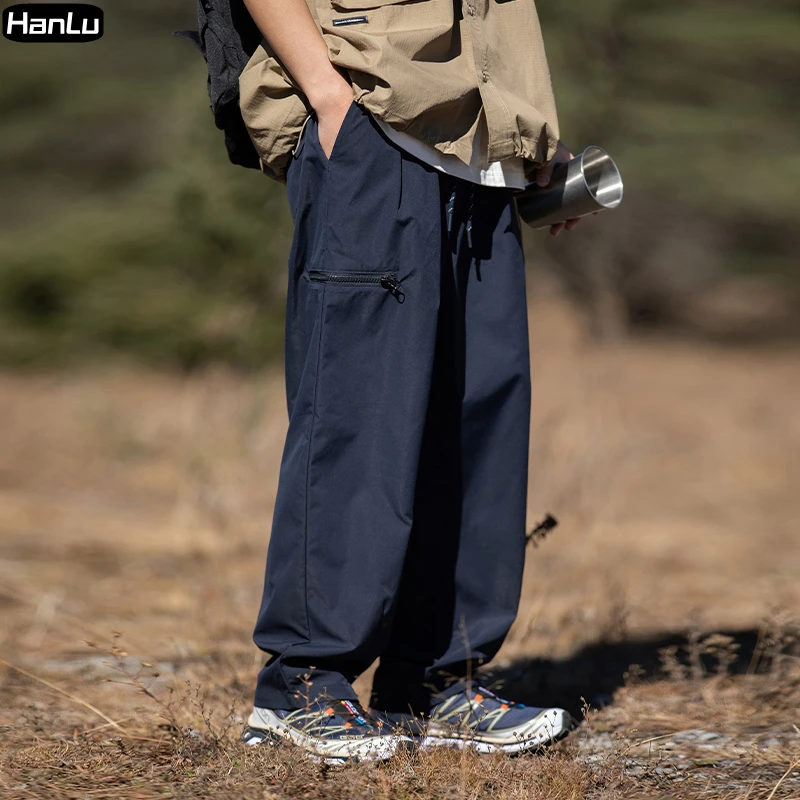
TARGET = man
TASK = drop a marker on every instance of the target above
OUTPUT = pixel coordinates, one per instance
(401, 129)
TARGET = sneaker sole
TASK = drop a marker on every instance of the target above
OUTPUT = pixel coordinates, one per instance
(256, 737)
(266, 727)
(555, 727)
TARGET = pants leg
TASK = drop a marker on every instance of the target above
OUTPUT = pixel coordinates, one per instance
(358, 368)
(463, 570)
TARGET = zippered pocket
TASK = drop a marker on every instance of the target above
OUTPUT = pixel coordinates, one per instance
(387, 281)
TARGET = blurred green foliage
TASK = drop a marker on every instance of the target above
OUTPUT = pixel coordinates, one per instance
(697, 101)
(125, 230)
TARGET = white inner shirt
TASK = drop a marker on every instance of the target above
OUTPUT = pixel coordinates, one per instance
(505, 174)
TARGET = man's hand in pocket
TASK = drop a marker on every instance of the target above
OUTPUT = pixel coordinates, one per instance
(331, 109)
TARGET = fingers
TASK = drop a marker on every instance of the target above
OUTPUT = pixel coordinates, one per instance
(564, 226)
(544, 175)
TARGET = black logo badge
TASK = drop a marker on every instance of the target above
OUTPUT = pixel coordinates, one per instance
(53, 22)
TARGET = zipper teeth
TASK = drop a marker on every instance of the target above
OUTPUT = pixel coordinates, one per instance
(332, 277)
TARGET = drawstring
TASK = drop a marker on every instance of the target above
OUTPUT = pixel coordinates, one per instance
(450, 211)
(469, 214)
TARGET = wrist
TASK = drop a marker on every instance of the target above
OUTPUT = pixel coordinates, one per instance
(331, 93)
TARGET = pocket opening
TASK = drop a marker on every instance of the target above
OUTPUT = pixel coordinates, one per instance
(363, 5)
(337, 143)
(385, 280)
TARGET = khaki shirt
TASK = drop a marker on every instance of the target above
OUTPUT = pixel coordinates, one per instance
(436, 69)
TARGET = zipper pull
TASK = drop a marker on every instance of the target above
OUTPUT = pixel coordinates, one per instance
(394, 287)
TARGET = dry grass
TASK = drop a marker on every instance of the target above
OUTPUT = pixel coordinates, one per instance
(134, 513)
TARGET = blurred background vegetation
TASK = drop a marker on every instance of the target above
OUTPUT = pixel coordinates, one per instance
(125, 231)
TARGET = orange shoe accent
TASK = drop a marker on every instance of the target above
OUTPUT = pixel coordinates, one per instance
(329, 711)
(348, 724)
(478, 698)
(504, 706)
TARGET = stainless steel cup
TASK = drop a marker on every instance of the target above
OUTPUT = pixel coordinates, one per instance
(589, 182)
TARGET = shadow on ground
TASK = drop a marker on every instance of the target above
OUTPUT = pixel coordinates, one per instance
(595, 672)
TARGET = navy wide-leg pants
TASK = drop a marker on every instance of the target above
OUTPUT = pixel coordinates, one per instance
(399, 527)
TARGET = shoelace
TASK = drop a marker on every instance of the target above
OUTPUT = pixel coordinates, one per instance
(470, 710)
(318, 722)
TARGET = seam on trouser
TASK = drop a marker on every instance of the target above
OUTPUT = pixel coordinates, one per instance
(326, 192)
(317, 367)
(308, 460)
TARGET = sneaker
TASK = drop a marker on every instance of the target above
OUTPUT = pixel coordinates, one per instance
(408, 725)
(333, 733)
(484, 721)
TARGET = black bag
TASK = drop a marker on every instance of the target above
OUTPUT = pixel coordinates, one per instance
(227, 38)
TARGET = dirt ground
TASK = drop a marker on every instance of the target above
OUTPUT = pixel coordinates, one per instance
(134, 519)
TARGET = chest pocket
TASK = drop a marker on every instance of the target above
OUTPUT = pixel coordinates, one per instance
(363, 5)
(388, 34)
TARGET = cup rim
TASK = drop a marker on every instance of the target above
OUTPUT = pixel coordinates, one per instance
(614, 203)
